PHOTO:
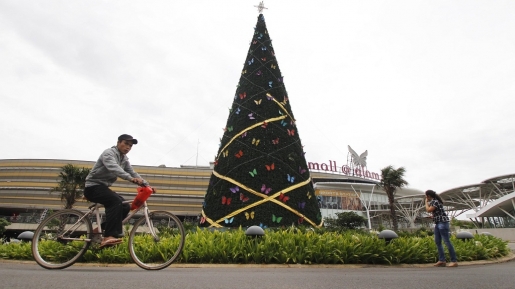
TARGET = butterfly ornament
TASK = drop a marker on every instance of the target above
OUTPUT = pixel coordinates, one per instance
(358, 160)
(249, 215)
(226, 201)
(276, 219)
(243, 198)
(265, 190)
(239, 154)
(283, 198)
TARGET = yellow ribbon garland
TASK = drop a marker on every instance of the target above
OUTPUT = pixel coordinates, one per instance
(281, 106)
(260, 123)
(266, 198)
(249, 128)
(213, 224)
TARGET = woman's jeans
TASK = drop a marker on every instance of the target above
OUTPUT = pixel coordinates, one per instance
(442, 231)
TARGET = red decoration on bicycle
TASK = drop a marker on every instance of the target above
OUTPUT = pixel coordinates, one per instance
(141, 197)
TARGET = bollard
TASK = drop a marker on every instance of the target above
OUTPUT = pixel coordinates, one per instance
(464, 235)
(26, 236)
(387, 235)
(255, 231)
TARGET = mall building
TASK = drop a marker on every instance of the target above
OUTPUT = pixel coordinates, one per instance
(25, 197)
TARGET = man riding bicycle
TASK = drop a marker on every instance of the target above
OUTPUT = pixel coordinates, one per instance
(111, 164)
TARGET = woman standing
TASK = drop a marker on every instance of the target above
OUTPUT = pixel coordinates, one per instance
(434, 205)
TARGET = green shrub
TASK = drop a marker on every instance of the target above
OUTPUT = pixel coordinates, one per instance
(295, 246)
(3, 223)
(420, 232)
(345, 220)
(464, 224)
(18, 251)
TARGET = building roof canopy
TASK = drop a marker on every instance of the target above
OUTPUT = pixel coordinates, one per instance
(473, 191)
(497, 208)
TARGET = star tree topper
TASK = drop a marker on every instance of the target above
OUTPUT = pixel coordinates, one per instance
(260, 7)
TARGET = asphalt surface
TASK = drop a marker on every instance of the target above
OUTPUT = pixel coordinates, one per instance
(477, 274)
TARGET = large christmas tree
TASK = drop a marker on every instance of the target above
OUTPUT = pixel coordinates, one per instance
(260, 175)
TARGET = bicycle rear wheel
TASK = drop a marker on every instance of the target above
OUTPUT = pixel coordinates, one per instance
(60, 239)
(155, 252)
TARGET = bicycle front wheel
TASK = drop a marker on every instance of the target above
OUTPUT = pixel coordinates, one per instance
(154, 245)
(61, 239)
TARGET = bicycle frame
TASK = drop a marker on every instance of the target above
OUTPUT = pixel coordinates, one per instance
(95, 209)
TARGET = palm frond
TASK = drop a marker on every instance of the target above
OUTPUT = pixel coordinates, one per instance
(71, 184)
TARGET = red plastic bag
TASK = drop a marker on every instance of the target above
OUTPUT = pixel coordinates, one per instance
(141, 197)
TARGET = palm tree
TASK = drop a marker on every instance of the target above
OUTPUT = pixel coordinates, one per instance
(3, 223)
(391, 180)
(71, 184)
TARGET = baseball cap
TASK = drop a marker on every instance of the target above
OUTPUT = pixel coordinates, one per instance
(127, 137)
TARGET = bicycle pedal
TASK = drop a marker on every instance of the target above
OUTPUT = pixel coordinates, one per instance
(97, 238)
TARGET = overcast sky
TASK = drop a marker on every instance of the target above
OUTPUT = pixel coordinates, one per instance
(428, 85)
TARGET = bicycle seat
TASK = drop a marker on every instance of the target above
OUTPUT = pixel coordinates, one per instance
(95, 204)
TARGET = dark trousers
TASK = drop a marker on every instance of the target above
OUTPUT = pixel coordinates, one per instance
(115, 210)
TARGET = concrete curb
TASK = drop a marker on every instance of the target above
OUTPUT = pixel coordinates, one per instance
(508, 258)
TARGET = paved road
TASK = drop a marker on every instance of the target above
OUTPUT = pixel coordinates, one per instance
(27, 275)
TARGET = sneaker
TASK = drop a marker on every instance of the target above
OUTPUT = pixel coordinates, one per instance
(440, 264)
(453, 264)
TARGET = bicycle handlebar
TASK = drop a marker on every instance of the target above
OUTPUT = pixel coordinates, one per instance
(147, 185)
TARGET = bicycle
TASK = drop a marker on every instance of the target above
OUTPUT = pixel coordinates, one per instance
(155, 241)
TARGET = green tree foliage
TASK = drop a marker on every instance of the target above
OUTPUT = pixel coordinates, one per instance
(3, 223)
(463, 224)
(260, 175)
(345, 220)
(420, 232)
(72, 181)
(391, 180)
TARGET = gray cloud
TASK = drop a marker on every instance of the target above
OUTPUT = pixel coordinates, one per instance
(423, 85)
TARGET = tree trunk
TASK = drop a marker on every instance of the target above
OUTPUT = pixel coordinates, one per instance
(393, 216)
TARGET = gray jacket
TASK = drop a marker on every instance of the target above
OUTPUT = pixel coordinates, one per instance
(109, 166)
